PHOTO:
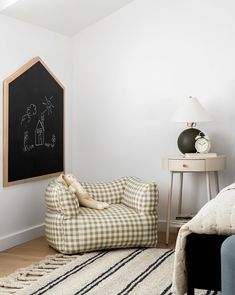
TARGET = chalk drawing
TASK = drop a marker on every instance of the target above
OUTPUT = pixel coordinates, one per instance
(40, 128)
(48, 104)
(27, 146)
(39, 134)
(52, 144)
(31, 111)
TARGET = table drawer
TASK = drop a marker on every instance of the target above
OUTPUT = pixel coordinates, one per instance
(187, 165)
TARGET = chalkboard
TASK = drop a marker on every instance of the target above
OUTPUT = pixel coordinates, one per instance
(33, 124)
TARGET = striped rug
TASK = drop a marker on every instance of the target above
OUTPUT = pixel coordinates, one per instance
(114, 272)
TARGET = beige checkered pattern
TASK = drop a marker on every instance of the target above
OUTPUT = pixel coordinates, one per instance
(60, 199)
(140, 195)
(129, 223)
(110, 192)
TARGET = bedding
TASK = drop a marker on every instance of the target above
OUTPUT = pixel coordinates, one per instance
(216, 217)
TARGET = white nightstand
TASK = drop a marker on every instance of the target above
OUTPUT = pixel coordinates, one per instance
(180, 164)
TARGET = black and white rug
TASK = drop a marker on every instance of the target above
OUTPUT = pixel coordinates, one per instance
(114, 272)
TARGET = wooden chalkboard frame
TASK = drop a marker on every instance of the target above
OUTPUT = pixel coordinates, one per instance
(6, 99)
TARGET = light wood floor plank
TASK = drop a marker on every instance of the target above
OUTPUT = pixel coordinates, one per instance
(24, 255)
(36, 250)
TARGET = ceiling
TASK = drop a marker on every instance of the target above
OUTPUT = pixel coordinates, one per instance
(66, 17)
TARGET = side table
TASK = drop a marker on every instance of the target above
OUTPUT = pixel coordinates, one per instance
(181, 165)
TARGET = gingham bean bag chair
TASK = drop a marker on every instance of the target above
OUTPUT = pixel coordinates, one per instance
(130, 220)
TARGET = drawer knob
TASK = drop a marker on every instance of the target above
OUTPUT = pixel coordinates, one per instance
(185, 166)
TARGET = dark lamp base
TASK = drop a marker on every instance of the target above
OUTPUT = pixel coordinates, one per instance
(186, 140)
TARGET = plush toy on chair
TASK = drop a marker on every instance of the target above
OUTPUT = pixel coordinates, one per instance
(84, 198)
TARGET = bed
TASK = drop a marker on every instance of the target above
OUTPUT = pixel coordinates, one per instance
(197, 254)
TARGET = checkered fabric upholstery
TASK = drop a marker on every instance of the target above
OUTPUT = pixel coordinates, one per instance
(140, 195)
(123, 224)
(110, 192)
(60, 199)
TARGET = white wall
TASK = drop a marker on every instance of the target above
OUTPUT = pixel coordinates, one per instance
(130, 71)
(22, 206)
(133, 69)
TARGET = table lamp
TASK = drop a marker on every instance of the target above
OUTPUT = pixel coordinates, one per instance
(190, 112)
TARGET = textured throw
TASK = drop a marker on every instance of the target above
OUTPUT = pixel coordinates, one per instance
(117, 272)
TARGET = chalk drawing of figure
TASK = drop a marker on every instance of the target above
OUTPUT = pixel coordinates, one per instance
(26, 138)
(53, 140)
(27, 147)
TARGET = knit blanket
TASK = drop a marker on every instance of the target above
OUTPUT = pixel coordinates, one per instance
(216, 217)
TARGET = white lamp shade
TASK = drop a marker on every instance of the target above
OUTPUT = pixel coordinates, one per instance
(191, 111)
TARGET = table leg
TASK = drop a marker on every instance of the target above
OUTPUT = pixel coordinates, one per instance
(169, 207)
(208, 183)
(216, 181)
(180, 194)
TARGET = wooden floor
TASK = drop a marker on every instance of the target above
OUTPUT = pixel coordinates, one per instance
(36, 250)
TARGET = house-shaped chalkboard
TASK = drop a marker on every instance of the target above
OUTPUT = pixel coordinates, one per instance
(33, 124)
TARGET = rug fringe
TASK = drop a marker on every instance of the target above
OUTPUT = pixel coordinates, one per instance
(25, 276)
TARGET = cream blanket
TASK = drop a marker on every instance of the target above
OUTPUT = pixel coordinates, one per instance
(216, 217)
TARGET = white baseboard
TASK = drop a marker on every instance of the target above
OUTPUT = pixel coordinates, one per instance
(20, 237)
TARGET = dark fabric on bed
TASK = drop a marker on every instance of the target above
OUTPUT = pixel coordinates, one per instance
(203, 262)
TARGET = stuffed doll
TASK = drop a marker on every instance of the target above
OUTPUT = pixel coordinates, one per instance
(84, 198)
